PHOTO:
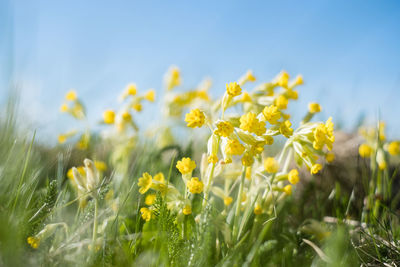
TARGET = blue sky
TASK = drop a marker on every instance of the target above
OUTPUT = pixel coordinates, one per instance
(347, 51)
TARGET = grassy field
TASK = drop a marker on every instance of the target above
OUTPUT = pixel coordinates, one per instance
(252, 189)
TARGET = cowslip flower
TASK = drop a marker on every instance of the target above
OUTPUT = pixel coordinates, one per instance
(34, 242)
(285, 129)
(293, 176)
(187, 209)
(159, 177)
(281, 102)
(109, 116)
(330, 157)
(283, 79)
(195, 186)
(233, 89)
(224, 128)
(212, 159)
(227, 201)
(145, 183)
(150, 199)
(234, 147)
(250, 123)
(271, 165)
(71, 95)
(271, 114)
(257, 209)
(173, 78)
(150, 95)
(314, 107)
(137, 107)
(146, 214)
(316, 168)
(365, 151)
(247, 159)
(64, 108)
(185, 165)
(195, 118)
(288, 189)
(394, 148)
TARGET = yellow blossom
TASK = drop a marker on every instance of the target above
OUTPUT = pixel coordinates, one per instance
(62, 138)
(257, 209)
(64, 108)
(365, 151)
(248, 173)
(233, 89)
(195, 186)
(137, 106)
(394, 148)
(234, 147)
(281, 102)
(292, 94)
(71, 95)
(126, 116)
(212, 158)
(34, 242)
(173, 78)
(186, 165)
(195, 118)
(145, 183)
(109, 116)
(288, 189)
(131, 89)
(146, 214)
(247, 159)
(100, 165)
(382, 165)
(159, 177)
(330, 157)
(269, 140)
(271, 165)
(381, 130)
(250, 123)
(227, 201)
(150, 95)
(293, 176)
(271, 114)
(316, 168)
(224, 128)
(283, 79)
(285, 129)
(187, 209)
(314, 107)
(299, 80)
(245, 97)
(150, 199)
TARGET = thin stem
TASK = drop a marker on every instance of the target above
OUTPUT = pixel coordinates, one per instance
(238, 201)
(208, 186)
(95, 220)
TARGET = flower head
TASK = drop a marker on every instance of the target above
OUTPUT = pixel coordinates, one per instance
(283, 79)
(288, 189)
(195, 118)
(316, 168)
(34, 242)
(257, 209)
(330, 157)
(314, 108)
(234, 147)
(109, 116)
(233, 89)
(150, 199)
(187, 209)
(394, 148)
(250, 123)
(185, 165)
(71, 95)
(173, 78)
(227, 201)
(195, 186)
(146, 214)
(150, 95)
(285, 129)
(271, 114)
(293, 176)
(281, 102)
(224, 128)
(271, 165)
(365, 151)
(145, 183)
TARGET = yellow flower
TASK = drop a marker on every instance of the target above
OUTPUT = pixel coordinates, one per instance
(187, 209)
(250, 123)
(159, 177)
(288, 189)
(225, 129)
(299, 80)
(186, 165)
(64, 108)
(293, 176)
(71, 95)
(285, 129)
(100, 165)
(245, 97)
(138, 107)
(283, 79)
(330, 157)
(150, 199)
(394, 148)
(271, 114)
(173, 78)
(146, 214)
(250, 77)
(382, 165)
(150, 95)
(292, 94)
(269, 140)
(323, 135)
(212, 158)
(271, 165)
(227, 201)
(247, 160)
(281, 102)
(126, 116)
(195, 186)
(109, 116)
(234, 147)
(381, 129)
(257, 209)
(248, 173)
(314, 107)
(62, 138)
(365, 151)
(316, 168)
(195, 118)
(145, 183)
(130, 90)
(233, 89)
(34, 242)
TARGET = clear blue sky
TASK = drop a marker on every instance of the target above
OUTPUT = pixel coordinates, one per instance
(347, 51)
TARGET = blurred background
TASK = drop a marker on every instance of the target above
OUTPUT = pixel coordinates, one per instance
(348, 53)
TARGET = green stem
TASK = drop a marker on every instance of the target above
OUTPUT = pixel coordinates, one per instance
(95, 220)
(208, 186)
(238, 201)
